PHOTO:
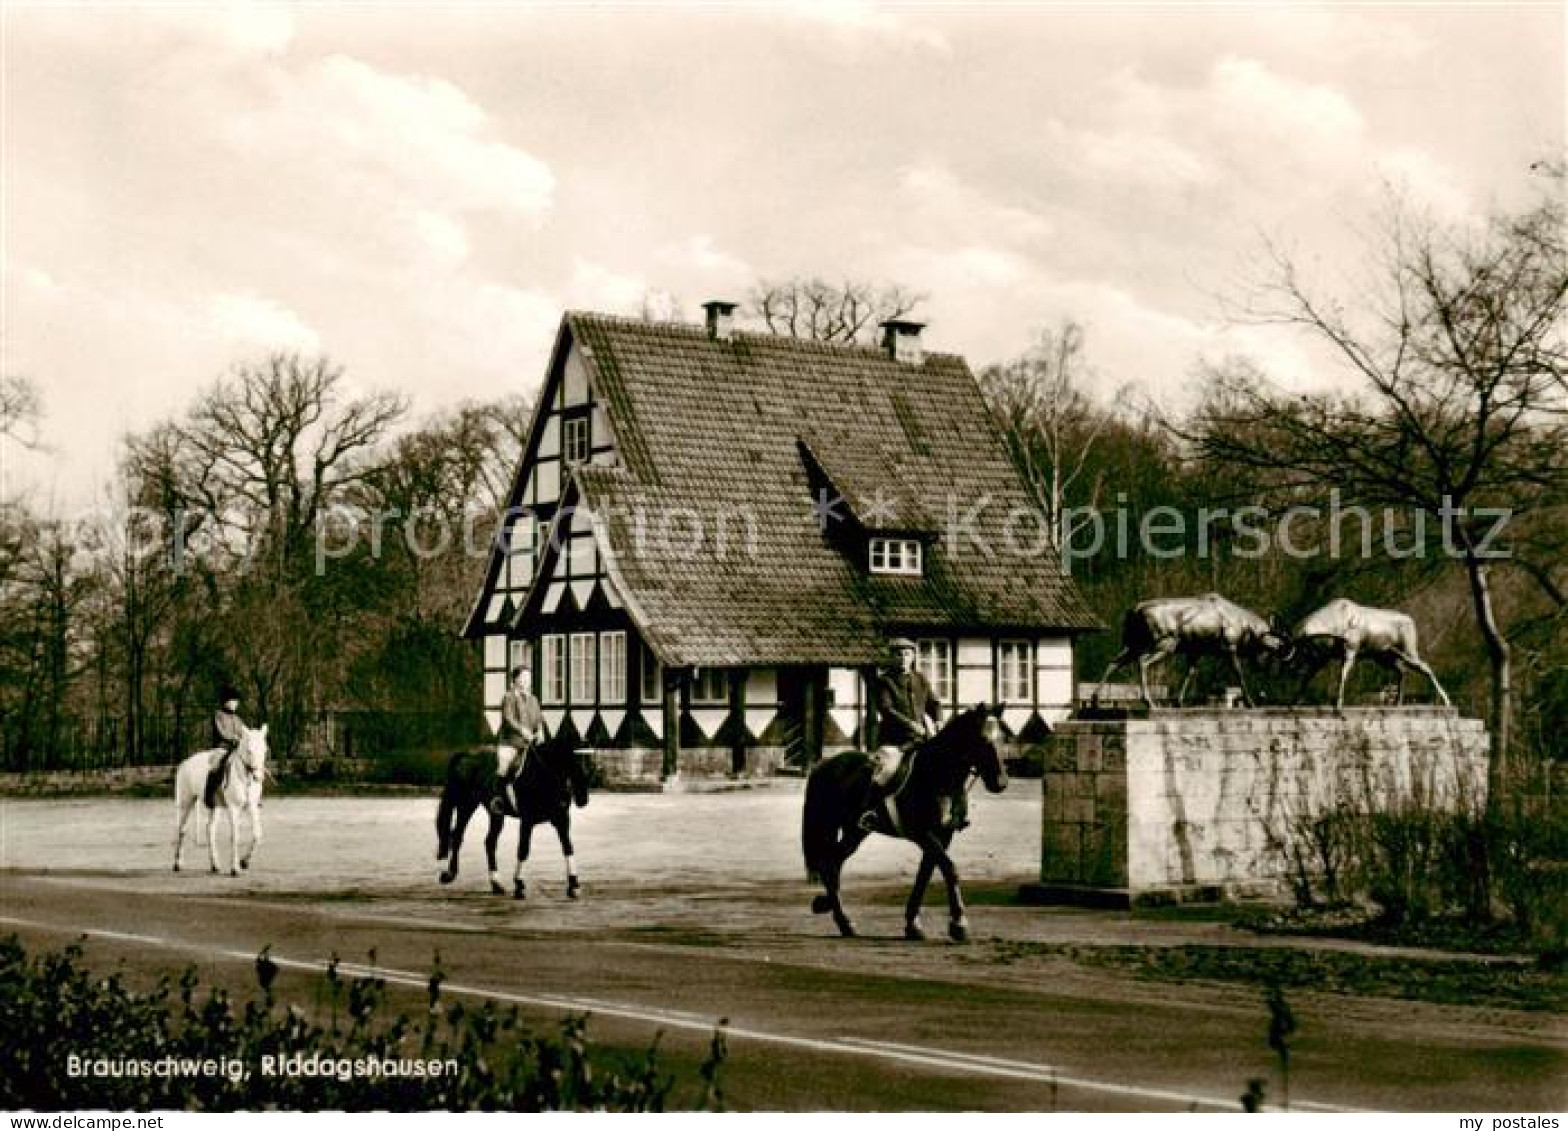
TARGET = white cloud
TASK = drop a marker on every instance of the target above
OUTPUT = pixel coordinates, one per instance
(420, 143)
(1249, 94)
(943, 207)
(224, 32)
(250, 28)
(987, 267)
(594, 286)
(504, 328)
(1002, 299)
(1244, 115)
(1427, 182)
(442, 237)
(855, 19)
(251, 322)
(1130, 159)
(36, 278)
(701, 253)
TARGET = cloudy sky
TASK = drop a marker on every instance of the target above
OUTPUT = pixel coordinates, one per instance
(419, 192)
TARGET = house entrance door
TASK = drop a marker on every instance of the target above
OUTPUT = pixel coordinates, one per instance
(802, 701)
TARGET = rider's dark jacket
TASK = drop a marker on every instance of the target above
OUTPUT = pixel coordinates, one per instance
(521, 719)
(902, 697)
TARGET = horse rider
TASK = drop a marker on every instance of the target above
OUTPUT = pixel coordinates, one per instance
(228, 731)
(907, 712)
(522, 726)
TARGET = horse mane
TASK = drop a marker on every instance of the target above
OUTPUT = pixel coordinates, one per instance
(255, 741)
(969, 714)
(949, 743)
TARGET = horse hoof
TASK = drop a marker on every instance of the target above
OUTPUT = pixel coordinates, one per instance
(958, 931)
(574, 890)
(520, 890)
(914, 932)
(846, 929)
(821, 905)
(496, 889)
(244, 865)
(448, 877)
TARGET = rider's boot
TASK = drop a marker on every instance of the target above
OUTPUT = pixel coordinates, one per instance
(876, 818)
(502, 802)
(215, 781)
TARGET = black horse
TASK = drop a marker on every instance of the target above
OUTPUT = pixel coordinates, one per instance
(939, 770)
(545, 788)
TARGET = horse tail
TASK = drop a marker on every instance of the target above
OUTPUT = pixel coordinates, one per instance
(818, 825)
(445, 810)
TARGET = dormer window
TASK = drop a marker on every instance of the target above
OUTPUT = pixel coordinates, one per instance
(900, 556)
(575, 447)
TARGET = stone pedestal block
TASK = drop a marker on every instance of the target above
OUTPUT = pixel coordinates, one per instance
(1205, 801)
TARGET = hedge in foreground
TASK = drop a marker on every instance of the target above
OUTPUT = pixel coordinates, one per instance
(74, 1040)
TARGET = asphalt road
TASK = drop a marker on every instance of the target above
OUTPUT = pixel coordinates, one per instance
(696, 910)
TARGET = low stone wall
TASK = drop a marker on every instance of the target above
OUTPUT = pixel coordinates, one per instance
(641, 767)
(1187, 801)
(56, 782)
(626, 768)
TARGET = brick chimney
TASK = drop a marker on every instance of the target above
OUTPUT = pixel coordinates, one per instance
(721, 319)
(901, 340)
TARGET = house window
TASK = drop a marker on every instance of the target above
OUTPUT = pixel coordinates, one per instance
(553, 677)
(575, 447)
(521, 656)
(652, 681)
(582, 668)
(934, 660)
(896, 555)
(520, 552)
(612, 667)
(710, 685)
(1013, 671)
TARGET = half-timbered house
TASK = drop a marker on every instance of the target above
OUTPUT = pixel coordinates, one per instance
(713, 534)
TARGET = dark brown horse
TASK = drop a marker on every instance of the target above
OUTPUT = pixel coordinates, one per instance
(546, 787)
(940, 770)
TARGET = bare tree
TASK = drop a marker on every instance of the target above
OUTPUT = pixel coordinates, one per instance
(20, 408)
(240, 484)
(41, 639)
(661, 306)
(1460, 410)
(1048, 420)
(821, 311)
(277, 441)
(456, 468)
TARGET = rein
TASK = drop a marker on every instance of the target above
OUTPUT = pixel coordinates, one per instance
(971, 775)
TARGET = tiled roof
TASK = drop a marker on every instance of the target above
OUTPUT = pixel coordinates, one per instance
(713, 431)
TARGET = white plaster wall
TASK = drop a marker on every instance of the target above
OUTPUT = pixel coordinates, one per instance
(762, 686)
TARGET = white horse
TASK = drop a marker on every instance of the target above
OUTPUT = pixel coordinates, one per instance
(240, 790)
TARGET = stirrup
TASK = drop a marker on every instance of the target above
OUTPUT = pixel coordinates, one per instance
(872, 820)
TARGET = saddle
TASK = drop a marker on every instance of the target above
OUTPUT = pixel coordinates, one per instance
(890, 783)
(885, 788)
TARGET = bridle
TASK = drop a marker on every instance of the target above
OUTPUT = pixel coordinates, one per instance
(247, 757)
